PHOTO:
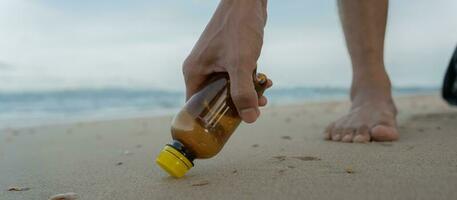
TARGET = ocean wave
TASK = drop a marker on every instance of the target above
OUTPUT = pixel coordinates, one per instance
(42, 107)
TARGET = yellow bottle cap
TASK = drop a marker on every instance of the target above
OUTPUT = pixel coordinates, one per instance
(173, 162)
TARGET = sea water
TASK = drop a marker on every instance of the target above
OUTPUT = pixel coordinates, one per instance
(32, 108)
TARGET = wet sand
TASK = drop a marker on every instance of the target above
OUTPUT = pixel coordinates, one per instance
(282, 156)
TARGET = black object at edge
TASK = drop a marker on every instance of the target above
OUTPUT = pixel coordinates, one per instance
(449, 90)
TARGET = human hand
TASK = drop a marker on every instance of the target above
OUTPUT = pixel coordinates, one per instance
(231, 42)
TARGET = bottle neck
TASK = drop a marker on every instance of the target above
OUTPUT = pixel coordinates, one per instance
(182, 149)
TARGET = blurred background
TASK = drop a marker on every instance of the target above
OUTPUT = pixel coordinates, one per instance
(62, 61)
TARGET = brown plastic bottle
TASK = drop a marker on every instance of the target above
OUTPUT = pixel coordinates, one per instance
(204, 124)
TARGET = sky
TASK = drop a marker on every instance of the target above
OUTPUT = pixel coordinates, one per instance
(56, 45)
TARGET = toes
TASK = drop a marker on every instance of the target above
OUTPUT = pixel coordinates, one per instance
(336, 137)
(336, 134)
(347, 138)
(362, 135)
(328, 131)
(382, 133)
(348, 135)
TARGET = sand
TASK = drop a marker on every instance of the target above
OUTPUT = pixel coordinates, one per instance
(282, 156)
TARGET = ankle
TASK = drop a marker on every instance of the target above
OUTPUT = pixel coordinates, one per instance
(373, 92)
(373, 85)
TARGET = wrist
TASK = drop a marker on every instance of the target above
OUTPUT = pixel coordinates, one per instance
(245, 4)
(262, 2)
(246, 11)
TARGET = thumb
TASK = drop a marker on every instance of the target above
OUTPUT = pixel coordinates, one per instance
(244, 95)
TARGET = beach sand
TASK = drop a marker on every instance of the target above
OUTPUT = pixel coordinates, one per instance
(282, 156)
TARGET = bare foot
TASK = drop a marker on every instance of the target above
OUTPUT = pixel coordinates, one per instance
(372, 117)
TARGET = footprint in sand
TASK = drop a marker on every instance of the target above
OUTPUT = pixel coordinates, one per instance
(306, 158)
(201, 183)
(286, 137)
(302, 158)
(18, 189)
(280, 158)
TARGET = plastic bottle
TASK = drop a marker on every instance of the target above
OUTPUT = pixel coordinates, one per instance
(204, 125)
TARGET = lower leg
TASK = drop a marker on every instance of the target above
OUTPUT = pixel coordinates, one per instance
(364, 25)
(372, 115)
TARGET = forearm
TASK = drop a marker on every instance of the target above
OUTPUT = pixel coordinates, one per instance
(241, 10)
(241, 19)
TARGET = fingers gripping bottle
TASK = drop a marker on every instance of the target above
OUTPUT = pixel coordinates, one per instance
(204, 124)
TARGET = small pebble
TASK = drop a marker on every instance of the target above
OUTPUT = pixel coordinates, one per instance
(66, 196)
(349, 170)
(119, 163)
(126, 152)
(255, 145)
